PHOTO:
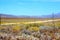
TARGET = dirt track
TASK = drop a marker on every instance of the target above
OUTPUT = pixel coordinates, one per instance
(32, 22)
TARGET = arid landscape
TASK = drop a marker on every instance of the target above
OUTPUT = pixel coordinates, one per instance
(29, 19)
(12, 28)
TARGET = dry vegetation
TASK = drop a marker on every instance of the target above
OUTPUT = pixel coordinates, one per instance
(29, 31)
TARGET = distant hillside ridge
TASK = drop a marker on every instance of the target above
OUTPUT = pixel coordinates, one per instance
(56, 15)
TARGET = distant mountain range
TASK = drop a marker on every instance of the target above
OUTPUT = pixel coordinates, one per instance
(57, 15)
(21, 16)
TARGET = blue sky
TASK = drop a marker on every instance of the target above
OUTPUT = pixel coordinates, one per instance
(29, 7)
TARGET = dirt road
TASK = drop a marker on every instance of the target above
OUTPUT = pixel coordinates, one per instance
(32, 22)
